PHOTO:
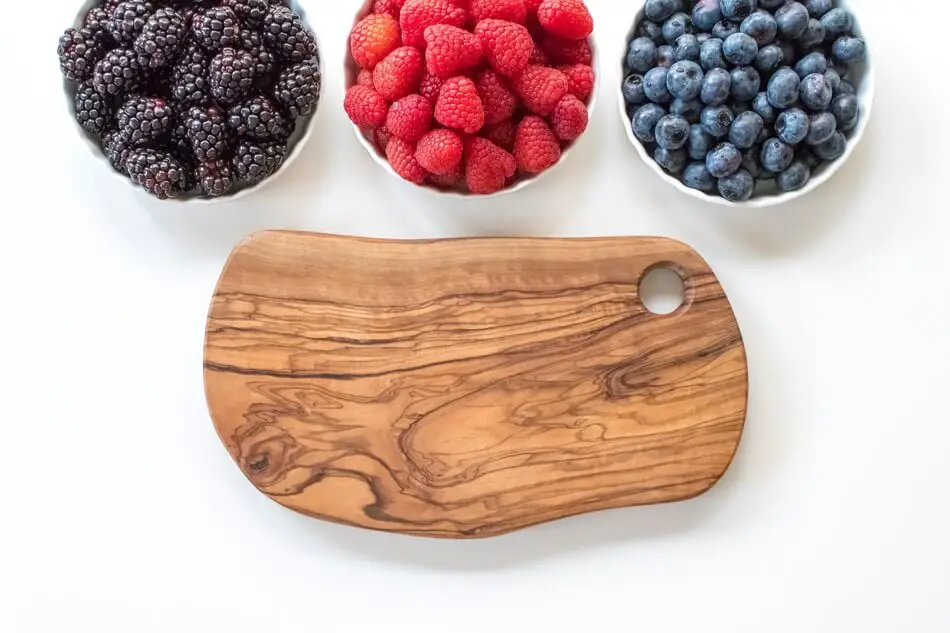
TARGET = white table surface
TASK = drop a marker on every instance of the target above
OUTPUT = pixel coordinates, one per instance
(122, 511)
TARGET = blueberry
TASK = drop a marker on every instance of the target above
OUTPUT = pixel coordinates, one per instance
(659, 10)
(641, 55)
(788, 52)
(833, 148)
(820, 128)
(765, 174)
(750, 161)
(664, 56)
(710, 54)
(737, 106)
(722, 160)
(736, 10)
(745, 129)
(794, 177)
(739, 49)
(633, 89)
(836, 22)
(848, 49)
(686, 47)
(699, 143)
(814, 34)
(769, 59)
(737, 187)
(717, 85)
(845, 109)
(761, 27)
(764, 135)
(845, 88)
(672, 160)
(814, 92)
(818, 8)
(644, 122)
(771, 4)
(702, 37)
(809, 157)
(745, 83)
(762, 107)
(783, 88)
(833, 77)
(810, 64)
(696, 176)
(724, 29)
(716, 120)
(689, 110)
(651, 30)
(654, 85)
(792, 126)
(705, 14)
(776, 156)
(685, 79)
(676, 25)
(792, 20)
(672, 132)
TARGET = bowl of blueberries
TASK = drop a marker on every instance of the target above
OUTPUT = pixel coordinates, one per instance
(746, 102)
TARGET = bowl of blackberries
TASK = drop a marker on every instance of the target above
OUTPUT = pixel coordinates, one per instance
(192, 100)
(746, 102)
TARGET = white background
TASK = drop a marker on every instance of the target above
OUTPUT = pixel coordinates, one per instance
(121, 511)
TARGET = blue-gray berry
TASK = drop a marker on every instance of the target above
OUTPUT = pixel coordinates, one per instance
(814, 34)
(809, 157)
(664, 56)
(776, 156)
(845, 109)
(848, 49)
(676, 25)
(672, 131)
(771, 5)
(761, 27)
(762, 107)
(685, 79)
(717, 86)
(783, 86)
(737, 187)
(654, 85)
(641, 55)
(632, 89)
(818, 8)
(723, 159)
(833, 77)
(769, 59)
(736, 10)
(652, 30)
(836, 22)
(792, 126)
(705, 14)
(710, 54)
(724, 28)
(686, 47)
(672, 160)
(810, 64)
(745, 129)
(689, 110)
(716, 120)
(644, 121)
(696, 176)
(845, 88)
(699, 143)
(745, 83)
(750, 161)
(739, 49)
(833, 148)
(793, 178)
(702, 37)
(660, 10)
(738, 106)
(814, 92)
(792, 20)
(820, 128)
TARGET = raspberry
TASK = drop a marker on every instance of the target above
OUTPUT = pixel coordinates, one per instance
(531, 6)
(580, 80)
(365, 106)
(410, 118)
(365, 78)
(569, 119)
(487, 166)
(398, 74)
(569, 19)
(382, 137)
(497, 98)
(418, 15)
(511, 10)
(536, 147)
(450, 50)
(538, 57)
(502, 134)
(508, 46)
(430, 87)
(401, 155)
(373, 37)
(459, 106)
(440, 152)
(541, 88)
(561, 51)
(447, 181)
(389, 7)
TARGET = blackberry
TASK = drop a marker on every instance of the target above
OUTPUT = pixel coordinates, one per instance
(231, 76)
(298, 88)
(128, 20)
(208, 132)
(117, 73)
(285, 34)
(116, 148)
(258, 118)
(92, 109)
(180, 145)
(216, 28)
(256, 160)
(158, 172)
(78, 51)
(145, 121)
(189, 83)
(161, 38)
(251, 12)
(97, 23)
(264, 60)
(214, 177)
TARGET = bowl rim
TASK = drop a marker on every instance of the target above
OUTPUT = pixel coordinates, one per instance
(293, 151)
(349, 79)
(865, 94)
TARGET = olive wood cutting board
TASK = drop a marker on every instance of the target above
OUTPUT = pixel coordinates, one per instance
(467, 388)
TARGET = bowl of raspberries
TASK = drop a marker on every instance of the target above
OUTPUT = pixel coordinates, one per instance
(746, 102)
(470, 97)
(192, 100)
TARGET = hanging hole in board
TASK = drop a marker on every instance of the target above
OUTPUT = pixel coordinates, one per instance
(662, 290)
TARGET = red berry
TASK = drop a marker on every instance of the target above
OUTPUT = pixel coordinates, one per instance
(538, 57)
(373, 37)
(511, 10)
(401, 155)
(447, 181)
(399, 73)
(580, 79)
(365, 78)
(569, 19)
(390, 7)
(561, 51)
(365, 106)
(569, 119)
(382, 138)
(508, 46)
(531, 6)
(430, 86)
(536, 147)
(459, 106)
(541, 88)
(487, 166)
(450, 50)
(440, 151)
(502, 134)
(410, 118)
(418, 15)
(497, 98)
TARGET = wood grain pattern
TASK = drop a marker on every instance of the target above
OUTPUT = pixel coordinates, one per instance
(470, 387)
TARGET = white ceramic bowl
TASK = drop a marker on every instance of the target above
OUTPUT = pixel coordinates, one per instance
(295, 143)
(351, 70)
(766, 194)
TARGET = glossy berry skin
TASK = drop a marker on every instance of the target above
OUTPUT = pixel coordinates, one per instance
(848, 49)
(814, 34)
(710, 54)
(762, 107)
(820, 128)
(706, 14)
(776, 156)
(736, 10)
(672, 132)
(651, 30)
(833, 77)
(717, 86)
(769, 59)
(833, 148)
(761, 27)
(724, 29)
(702, 37)
(814, 92)
(845, 88)
(845, 109)
(689, 110)
(791, 126)
(686, 48)
(836, 22)
(665, 56)
(793, 178)
(696, 176)
(783, 87)
(699, 143)
(672, 160)
(745, 129)
(654, 85)
(818, 8)
(745, 83)
(716, 120)
(810, 64)
(685, 79)
(660, 10)
(641, 55)
(722, 160)
(739, 49)
(644, 122)
(737, 187)
(792, 20)
(633, 92)
(676, 25)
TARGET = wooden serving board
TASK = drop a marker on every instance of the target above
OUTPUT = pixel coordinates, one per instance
(470, 387)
